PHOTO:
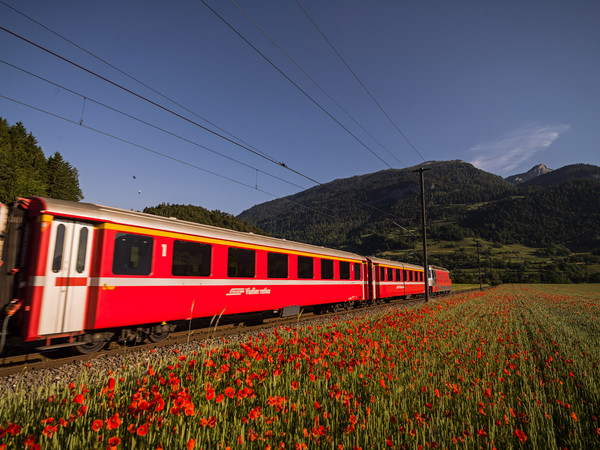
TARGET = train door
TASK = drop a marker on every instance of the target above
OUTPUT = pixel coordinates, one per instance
(66, 279)
(432, 281)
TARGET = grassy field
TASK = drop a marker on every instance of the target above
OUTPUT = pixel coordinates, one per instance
(466, 287)
(515, 366)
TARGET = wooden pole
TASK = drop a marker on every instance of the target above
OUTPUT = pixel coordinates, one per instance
(426, 274)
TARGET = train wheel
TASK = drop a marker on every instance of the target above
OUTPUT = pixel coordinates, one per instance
(89, 347)
(159, 333)
(158, 336)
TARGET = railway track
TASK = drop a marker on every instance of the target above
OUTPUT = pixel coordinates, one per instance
(30, 359)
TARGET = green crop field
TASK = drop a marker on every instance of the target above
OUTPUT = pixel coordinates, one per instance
(514, 366)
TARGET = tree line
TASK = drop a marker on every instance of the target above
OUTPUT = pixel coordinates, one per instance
(25, 170)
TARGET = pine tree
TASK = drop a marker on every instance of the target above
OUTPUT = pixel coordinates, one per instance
(22, 164)
(63, 179)
(24, 170)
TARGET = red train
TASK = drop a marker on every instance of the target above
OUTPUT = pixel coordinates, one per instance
(79, 274)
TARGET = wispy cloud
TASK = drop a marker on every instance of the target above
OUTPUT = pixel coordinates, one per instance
(509, 151)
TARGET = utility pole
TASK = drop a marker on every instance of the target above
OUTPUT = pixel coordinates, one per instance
(479, 263)
(426, 275)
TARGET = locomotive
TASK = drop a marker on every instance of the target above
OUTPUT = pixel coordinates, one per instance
(79, 275)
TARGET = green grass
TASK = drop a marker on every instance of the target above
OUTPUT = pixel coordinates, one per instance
(466, 287)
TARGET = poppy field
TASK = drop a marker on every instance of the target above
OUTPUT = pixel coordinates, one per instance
(512, 367)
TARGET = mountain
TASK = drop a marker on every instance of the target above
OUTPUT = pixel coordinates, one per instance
(534, 172)
(377, 211)
(527, 232)
(565, 213)
(566, 173)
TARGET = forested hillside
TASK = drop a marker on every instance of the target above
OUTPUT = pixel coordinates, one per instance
(25, 171)
(527, 233)
(567, 173)
(538, 217)
(373, 212)
(202, 215)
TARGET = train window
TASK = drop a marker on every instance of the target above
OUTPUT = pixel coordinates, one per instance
(390, 272)
(404, 274)
(382, 274)
(241, 262)
(58, 249)
(344, 270)
(277, 265)
(132, 254)
(357, 274)
(81, 250)
(397, 274)
(191, 259)
(305, 267)
(327, 269)
(410, 275)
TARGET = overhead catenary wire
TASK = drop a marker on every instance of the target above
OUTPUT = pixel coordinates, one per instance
(103, 78)
(178, 160)
(104, 61)
(85, 98)
(317, 84)
(172, 158)
(176, 114)
(158, 105)
(359, 81)
(296, 85)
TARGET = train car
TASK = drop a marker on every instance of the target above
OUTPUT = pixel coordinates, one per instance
(439, 280)
(389, 279)
(80, 274)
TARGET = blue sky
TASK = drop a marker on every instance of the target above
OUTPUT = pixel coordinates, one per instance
(502, 85)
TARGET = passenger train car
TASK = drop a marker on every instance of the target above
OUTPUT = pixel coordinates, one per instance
(79, 274)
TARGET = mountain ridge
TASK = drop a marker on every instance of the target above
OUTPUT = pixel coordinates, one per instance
(353, 213)
(534, 172)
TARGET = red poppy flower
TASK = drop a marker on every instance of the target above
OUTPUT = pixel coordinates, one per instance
(113, 422)
(142, 430)
(49, 430)
(97, 425)
(210, 393)
(230, 392)
(191, 444)
(520, 434)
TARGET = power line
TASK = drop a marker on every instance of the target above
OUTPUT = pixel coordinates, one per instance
(357, 201)
(146, 123)
(179, 115)
(172, 158)
(132, 77)
(141, 97)
(315, 83)
(164, 155)
(295, 85)
(359, 80)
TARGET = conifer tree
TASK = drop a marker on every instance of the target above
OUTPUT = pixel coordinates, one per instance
(24, 170)
(63, 179)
